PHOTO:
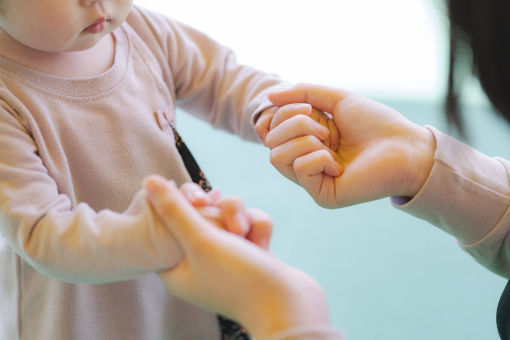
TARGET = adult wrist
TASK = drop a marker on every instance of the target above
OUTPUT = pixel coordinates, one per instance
(287, 302)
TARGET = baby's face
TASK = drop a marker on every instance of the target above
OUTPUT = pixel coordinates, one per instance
(61, 25)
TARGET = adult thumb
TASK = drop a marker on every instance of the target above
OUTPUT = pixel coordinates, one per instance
(320, 97)
(178, 215)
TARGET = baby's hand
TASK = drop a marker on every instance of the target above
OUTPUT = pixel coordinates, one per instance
(278, 124)
(229, 213)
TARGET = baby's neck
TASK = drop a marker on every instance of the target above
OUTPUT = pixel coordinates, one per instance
(80, 64)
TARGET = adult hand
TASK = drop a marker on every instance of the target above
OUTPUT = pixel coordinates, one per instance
(227, 274)
(381, 153)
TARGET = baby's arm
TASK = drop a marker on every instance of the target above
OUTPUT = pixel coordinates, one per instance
(205, 77)
(67, 240)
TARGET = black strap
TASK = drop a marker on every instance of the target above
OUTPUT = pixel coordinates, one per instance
(230, 330)
(503, 313)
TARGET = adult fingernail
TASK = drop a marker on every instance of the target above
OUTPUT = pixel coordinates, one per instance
(155, 185)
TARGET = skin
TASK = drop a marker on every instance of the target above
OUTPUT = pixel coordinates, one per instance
(217, 234)
(380, 152)
(325, 130)
(229, 213)
(226, 273)
(29, 34)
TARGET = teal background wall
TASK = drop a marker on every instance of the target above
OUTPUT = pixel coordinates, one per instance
(387, 275)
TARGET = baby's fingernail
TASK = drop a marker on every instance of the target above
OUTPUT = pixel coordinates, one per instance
(241, 224)
(214, 195)
(262, 242)
(198, 194)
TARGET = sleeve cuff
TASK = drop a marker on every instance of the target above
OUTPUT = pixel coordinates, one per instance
(466, 193)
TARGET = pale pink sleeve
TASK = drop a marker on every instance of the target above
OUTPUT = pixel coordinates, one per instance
(208, 81)
(72, 243)
(467, 195)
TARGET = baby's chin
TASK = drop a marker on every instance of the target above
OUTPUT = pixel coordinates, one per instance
(86, 41)
(76, 45)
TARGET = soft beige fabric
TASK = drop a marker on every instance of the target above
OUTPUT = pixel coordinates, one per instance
(467, 195)
(73, 153)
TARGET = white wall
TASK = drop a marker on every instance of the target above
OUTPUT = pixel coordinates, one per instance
(386, 48)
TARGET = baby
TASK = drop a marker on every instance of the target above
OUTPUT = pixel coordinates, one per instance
(88, 92)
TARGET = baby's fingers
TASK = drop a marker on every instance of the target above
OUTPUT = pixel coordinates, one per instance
(176, 212)
(263, 123)
(197, 196)
(261, 228)
(334, 135)
(326, 120)
(233, 215)
(290, 110)
(297, 126)
(212, 214)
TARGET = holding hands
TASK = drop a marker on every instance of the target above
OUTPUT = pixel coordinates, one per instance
(229, 213)
(343, 149)
(226, 273)
(380, 153)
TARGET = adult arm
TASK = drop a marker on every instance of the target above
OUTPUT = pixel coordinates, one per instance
(381, 154)
(467, 195)
(227, 274)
